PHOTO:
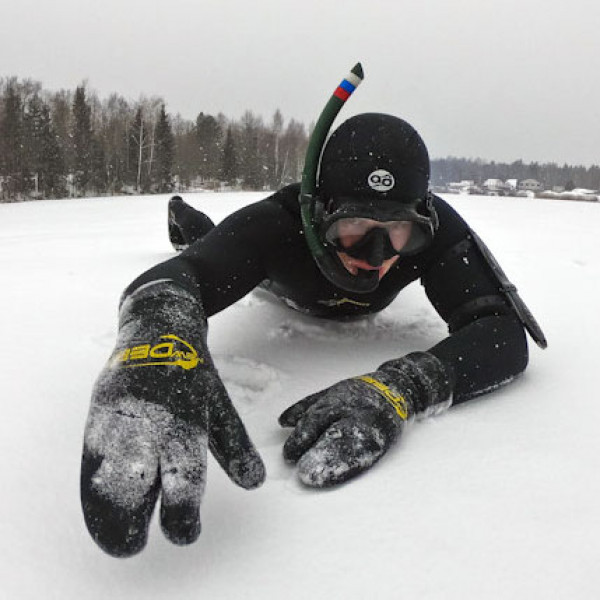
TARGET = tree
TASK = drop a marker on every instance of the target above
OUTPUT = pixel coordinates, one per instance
(151, 111)
(208, 137)
(276, 130)
(61, 115)
(229, 171)
(165, 152)
(113, 134)
(293, 149)
(533, 171)
(138, 141)
(43, 152)
(82, 136)
(250, 159)
(53, 163)
(13, 165)
(98, 166)
(185, 163)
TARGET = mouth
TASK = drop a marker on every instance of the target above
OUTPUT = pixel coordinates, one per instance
(352, 265)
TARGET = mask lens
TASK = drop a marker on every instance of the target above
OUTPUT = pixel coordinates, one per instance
(345, 233)
(399, 232)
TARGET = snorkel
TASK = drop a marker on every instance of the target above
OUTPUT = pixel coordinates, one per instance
(326, 262)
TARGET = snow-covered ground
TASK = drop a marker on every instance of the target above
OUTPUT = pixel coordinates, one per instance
(498, 498)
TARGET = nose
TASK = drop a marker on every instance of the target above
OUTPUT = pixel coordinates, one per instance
(374, 251)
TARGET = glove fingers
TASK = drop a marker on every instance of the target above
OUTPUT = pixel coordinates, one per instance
(310, 427)
(232, 447)
(183, 478)
(349, 447)
(119, 480)
(292, 414)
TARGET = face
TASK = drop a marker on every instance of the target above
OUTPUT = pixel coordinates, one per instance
(350, 231)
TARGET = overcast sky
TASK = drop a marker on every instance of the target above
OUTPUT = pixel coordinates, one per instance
(494, 79)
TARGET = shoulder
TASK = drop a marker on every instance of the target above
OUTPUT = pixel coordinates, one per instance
(274, 217)
(451, 223)
(452, 229)
(287, 198)
(282, 201)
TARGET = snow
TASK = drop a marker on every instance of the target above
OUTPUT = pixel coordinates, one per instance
(495, 499)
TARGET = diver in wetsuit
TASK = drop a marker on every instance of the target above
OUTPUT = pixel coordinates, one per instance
(159, 403)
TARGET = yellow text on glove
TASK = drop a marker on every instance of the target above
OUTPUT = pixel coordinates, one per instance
(176, 352)
(398, 402)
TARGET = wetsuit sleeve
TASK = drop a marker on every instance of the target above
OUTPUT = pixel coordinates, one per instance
(231, 260)
(487, 346)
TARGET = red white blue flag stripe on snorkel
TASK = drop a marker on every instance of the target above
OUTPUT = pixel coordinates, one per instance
(348, 85)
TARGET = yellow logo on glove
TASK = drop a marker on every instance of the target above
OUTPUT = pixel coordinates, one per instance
(398, 402)
(165, 353)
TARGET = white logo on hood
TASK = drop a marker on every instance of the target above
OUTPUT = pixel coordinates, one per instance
(381, 180)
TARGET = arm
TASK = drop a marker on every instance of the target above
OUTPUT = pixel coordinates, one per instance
(345, 429)
(159, 403)
(487, 346)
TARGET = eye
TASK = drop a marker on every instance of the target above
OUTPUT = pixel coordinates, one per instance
(351, 225)
(400, 233)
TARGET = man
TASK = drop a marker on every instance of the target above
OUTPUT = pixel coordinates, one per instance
(159, 403)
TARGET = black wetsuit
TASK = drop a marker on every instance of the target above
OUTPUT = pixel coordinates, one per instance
(263, 243)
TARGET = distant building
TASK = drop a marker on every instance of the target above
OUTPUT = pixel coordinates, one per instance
(494, 187)
(466, 186)
(530, 185)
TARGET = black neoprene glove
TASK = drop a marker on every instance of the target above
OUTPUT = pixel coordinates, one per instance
(343, 430)
(156, 407)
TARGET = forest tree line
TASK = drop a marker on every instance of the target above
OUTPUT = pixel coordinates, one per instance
(451, 169)
(72, 143)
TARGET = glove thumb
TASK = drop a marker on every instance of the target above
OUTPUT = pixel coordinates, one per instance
(292, 414)
(231, 445)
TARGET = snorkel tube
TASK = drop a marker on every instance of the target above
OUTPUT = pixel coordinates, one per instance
(326, 262)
